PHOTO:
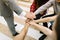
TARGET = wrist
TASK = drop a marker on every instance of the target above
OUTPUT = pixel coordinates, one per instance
(34, 24)
(36, 21)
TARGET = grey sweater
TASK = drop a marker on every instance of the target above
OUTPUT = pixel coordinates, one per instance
(47, 5)
(8, 6)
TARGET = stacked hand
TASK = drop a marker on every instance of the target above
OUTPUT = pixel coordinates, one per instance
(30, 15)
(30, 22)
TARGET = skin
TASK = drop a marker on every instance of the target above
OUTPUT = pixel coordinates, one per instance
(47, 19)
(45, 30)
(23, 33)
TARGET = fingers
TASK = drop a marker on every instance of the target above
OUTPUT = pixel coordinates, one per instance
(33, 15)
(27, 24)
(31, 22)
(27, 21)
(30, 15)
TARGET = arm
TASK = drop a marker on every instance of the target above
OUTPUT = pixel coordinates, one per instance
(47, 19)
(41, 28)
(23, 33)
(44, 7)
(13, 5)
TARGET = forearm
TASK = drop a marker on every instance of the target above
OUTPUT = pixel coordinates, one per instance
(43, 29)
(47, 19)
(22, 35)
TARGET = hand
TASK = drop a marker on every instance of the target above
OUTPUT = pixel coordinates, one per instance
(28, 20)
(27, 24)
(30, 15)
(36, 21)
(32, 23)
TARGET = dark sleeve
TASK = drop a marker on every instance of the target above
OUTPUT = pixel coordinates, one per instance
(49, 15)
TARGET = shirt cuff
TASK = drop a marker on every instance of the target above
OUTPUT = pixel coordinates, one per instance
(23, 13)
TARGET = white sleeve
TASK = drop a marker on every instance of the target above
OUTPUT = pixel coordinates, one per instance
(44, 7)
